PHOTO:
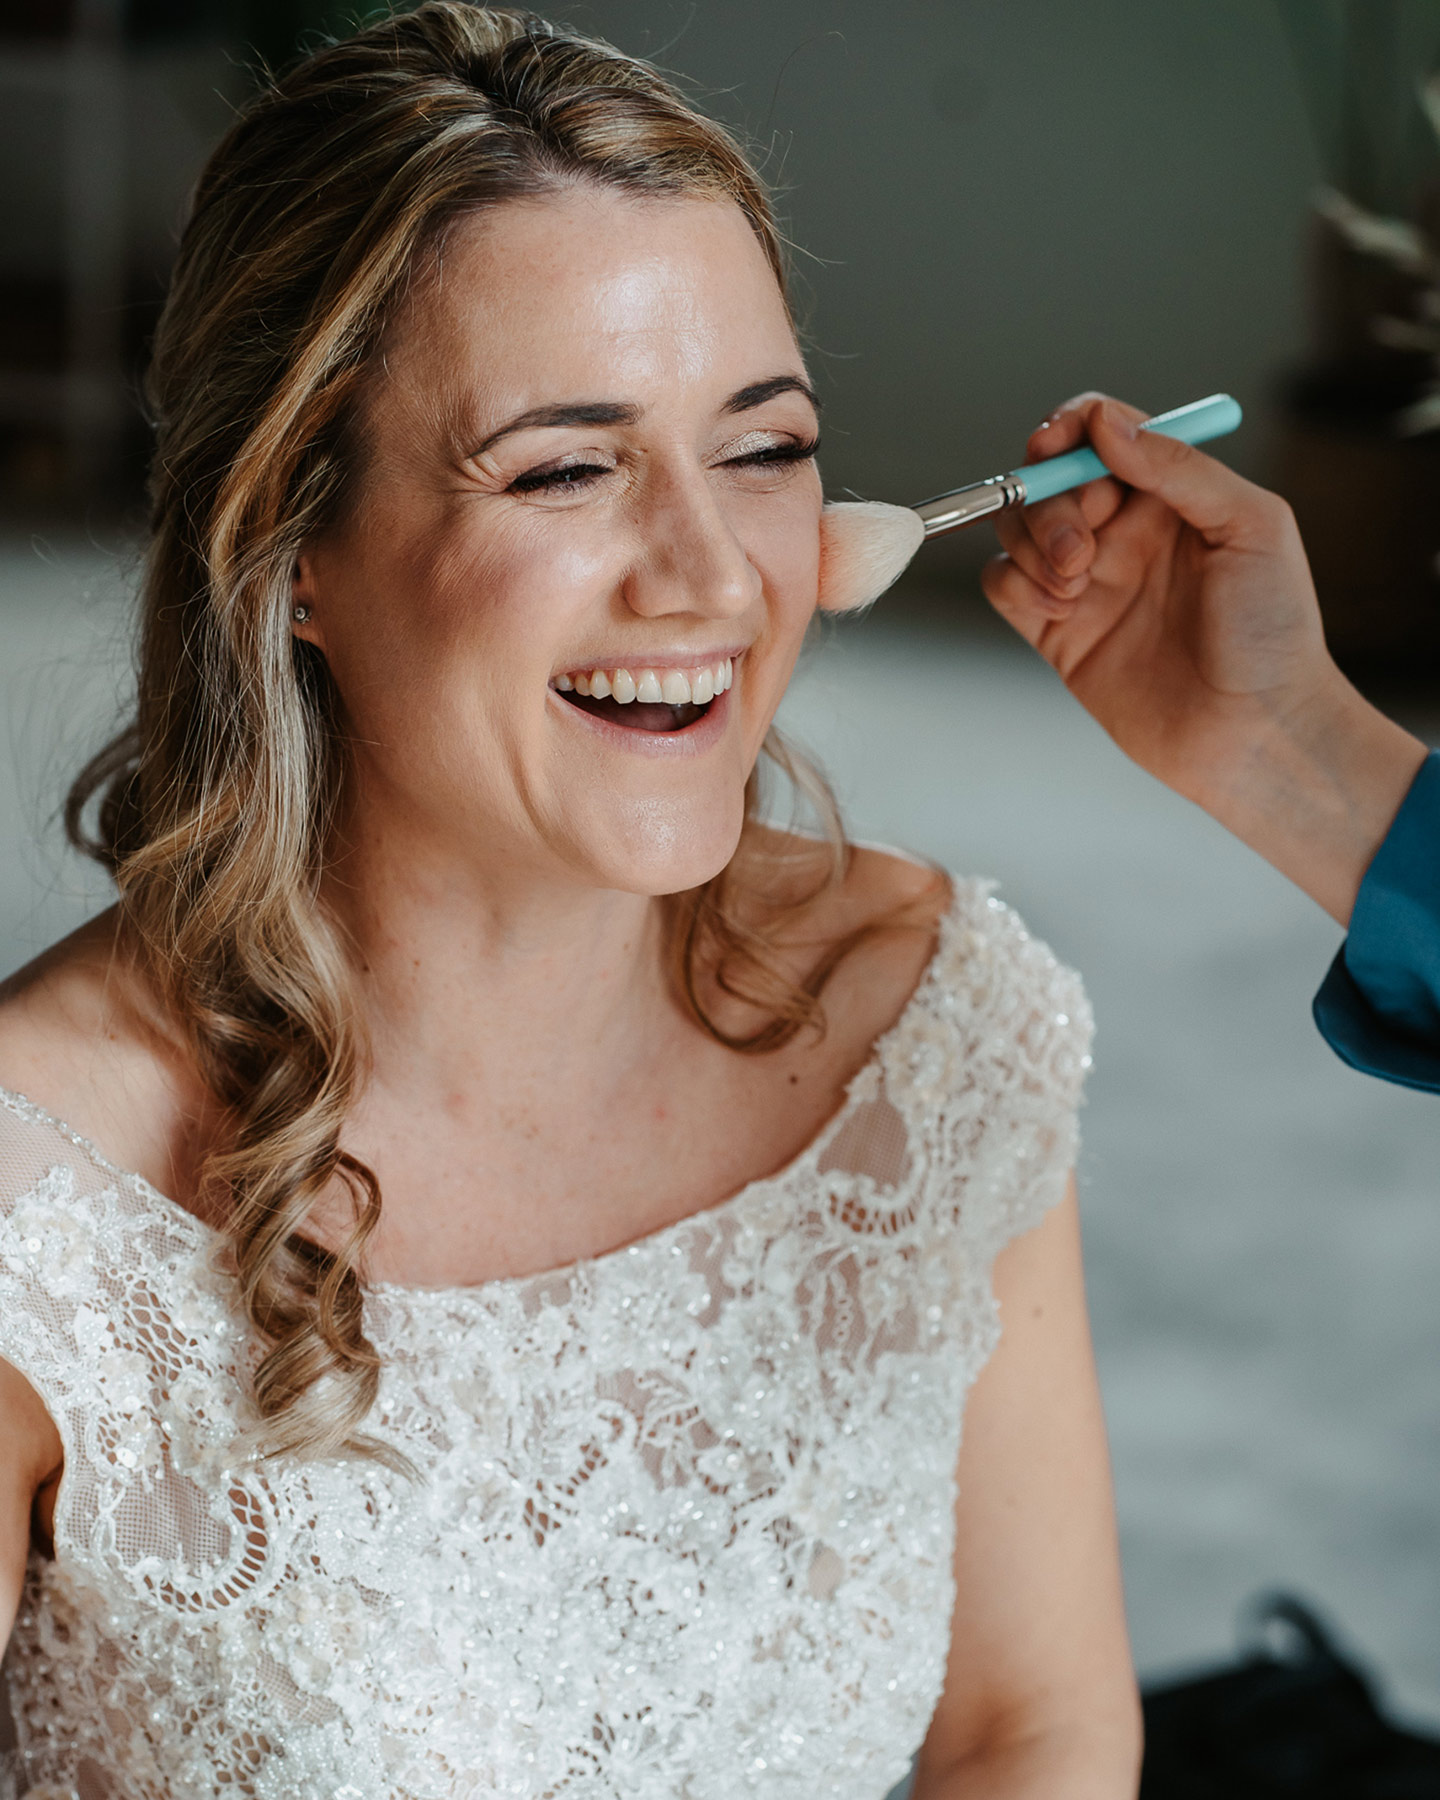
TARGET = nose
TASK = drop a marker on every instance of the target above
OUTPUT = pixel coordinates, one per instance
(689, 559)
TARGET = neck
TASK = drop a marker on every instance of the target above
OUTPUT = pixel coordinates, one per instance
(473, 979)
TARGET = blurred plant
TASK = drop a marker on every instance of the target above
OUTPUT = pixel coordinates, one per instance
(1422, 254)
(1361, 68)
(1357, 62)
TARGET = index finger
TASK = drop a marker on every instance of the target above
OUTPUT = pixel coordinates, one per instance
(1221, 505)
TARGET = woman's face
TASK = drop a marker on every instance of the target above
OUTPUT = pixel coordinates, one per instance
(589, 465)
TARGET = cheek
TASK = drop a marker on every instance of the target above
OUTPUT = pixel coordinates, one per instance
(798, 572)
(433, 622)
(789, 563)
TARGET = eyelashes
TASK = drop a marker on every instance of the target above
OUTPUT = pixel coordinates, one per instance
(573, 477)
(569, 475)
(781, 453)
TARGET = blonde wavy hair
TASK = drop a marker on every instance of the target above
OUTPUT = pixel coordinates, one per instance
(216, 802)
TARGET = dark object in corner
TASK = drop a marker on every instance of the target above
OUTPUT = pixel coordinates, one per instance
(1291, 1721)
(1364, 499)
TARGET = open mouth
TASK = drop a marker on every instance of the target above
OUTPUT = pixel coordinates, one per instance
(648, 699)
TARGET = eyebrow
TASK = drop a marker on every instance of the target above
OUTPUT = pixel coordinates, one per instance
(759, 392)
(616, 412)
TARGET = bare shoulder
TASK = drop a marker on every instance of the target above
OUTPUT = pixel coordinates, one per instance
(897, 892)
(893, 905)
(82, 1036)
(883, 913)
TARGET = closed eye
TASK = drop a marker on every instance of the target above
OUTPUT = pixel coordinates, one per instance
(568, 475)
(777, 453)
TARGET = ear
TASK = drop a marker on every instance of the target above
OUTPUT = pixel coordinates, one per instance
(302, 579)
(865, 545)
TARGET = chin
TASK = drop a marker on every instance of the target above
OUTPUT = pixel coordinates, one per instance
(666, 854)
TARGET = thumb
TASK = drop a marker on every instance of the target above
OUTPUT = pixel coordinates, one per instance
(1222, 506)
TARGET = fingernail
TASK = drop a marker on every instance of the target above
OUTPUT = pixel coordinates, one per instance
(1062, 545)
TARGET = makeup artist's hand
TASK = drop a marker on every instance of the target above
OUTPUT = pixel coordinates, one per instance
(1177, 605)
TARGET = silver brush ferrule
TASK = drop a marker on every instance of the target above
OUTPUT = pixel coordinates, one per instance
(953, 511)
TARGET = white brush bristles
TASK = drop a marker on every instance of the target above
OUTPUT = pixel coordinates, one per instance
(865, 545)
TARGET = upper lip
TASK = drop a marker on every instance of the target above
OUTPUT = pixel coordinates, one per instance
(653, 659)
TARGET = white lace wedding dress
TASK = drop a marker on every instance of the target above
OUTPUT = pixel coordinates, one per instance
(684, 1522)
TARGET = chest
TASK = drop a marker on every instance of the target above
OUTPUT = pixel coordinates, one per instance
(684, 1513)
(498, 1181)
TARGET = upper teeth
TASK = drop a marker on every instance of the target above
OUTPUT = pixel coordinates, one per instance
(675, 687)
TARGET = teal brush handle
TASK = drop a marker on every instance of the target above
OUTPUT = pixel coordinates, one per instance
(1193, 424)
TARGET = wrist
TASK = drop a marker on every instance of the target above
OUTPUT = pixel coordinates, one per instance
(1314, 786)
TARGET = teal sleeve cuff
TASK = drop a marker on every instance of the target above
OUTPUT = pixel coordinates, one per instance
(1379, 1007)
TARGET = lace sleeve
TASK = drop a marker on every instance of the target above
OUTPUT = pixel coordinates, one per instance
(89, 1274)
(53, 1314)
(991, 1072)
(52, 1290)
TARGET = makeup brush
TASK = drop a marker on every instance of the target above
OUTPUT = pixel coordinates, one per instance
(865, 544)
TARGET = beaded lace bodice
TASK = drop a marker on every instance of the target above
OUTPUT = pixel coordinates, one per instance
(684, 1520)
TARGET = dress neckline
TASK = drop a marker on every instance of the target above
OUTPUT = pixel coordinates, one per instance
(413, 1293)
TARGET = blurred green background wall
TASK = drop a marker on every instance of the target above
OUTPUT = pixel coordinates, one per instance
(999, 202)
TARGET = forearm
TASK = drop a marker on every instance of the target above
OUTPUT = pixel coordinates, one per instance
(1315, 791)
(1089, 1762)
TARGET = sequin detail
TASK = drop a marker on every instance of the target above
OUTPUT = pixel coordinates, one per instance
(685, 1517)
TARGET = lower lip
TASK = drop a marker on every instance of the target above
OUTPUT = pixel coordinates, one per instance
(692, 741)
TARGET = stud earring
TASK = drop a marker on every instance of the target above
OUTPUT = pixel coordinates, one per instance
(300, 614)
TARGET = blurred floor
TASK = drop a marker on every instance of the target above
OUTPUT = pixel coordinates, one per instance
(1263, 1227)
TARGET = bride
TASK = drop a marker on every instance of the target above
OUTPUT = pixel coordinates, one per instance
(495, 1240)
